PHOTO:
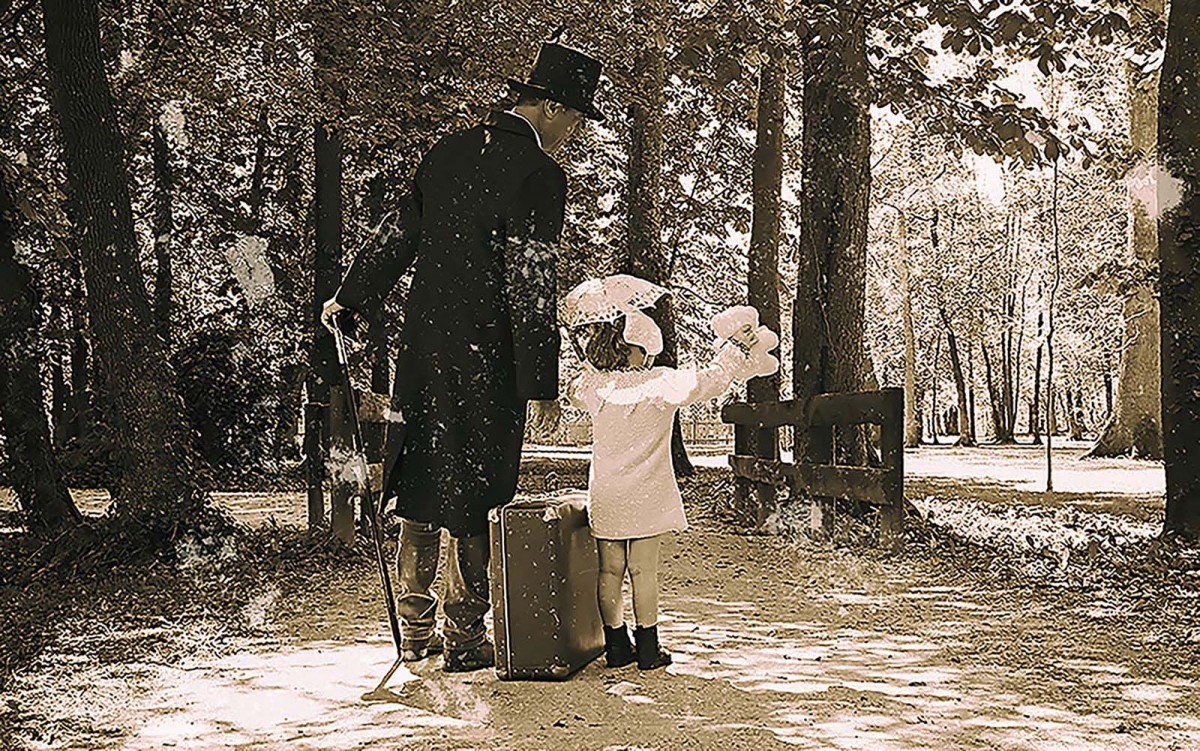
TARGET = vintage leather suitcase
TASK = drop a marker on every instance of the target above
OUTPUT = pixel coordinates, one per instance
(543, 580)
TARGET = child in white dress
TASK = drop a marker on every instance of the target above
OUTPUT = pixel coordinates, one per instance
(633, 496)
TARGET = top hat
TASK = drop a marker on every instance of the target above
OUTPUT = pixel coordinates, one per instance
(563, 75)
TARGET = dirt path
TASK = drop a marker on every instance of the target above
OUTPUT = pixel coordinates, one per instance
(777, 644)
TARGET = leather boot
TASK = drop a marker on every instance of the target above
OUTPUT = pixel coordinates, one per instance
(649, 654)
(618, 650)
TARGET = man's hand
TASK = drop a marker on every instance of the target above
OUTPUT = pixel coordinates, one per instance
(544, 414)
(329, 313)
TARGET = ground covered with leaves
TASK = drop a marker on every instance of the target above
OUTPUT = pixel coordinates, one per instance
(1001, 625)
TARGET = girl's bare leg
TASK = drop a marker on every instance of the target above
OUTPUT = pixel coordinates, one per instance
(612, 575)
(643, 574)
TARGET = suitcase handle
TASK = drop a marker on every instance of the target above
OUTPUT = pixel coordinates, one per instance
(550, 503)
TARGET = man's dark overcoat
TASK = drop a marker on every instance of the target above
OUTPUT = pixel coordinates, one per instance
(479, 338)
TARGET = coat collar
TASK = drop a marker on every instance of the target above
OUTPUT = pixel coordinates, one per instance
(511, 122)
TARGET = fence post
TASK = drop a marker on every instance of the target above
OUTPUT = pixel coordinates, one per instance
(820, 451)
(742, 488)
(891, 449)
(341, 454)
(766, 447)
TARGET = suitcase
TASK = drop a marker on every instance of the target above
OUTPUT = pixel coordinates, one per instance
(543, 575)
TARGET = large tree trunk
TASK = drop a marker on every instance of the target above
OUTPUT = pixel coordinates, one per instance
(763, 268)
(828, 317)
(81, 376)
(645, 255)
(37, 479)
(1135, 425)
(60, 393)
(323, 368)
(164, 230)
(159, 485)
(912, 421)
(1179, 251)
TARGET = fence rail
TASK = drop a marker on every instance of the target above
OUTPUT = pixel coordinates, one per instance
(760, 473)
(579, 433)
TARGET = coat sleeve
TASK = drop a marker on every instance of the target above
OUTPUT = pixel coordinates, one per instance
(679, 388)
(582, 394)
(533, 228)
(387, 255)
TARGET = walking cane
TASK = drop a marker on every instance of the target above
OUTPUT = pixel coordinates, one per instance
(372, 512)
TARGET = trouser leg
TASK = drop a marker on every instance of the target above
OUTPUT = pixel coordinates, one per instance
(466, 593)
(416, 567)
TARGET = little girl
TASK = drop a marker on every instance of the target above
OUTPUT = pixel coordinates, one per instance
(633, 497)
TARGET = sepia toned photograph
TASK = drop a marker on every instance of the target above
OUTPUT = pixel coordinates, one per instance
(644, 375)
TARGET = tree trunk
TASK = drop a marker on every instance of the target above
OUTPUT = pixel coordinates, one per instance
(767, 182)
(323, 367)
(37, 479)
(645, 255)
(374, 434)
(1107, 382)
(1035, 421)
(1135, 427)
(960, 383)
(1051, 423)
(995, 396)
(912, 419)
(164, 230)
(1075, 414)
(1010, 350)
(293, 295)
(971, 390)
(80, 379)
(828, 316)
(933, 412)
(60, 393)
(1179, 251)
(159, 485)
(763, 273)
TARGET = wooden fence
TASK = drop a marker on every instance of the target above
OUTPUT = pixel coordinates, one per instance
(760, 472)
(579, 433)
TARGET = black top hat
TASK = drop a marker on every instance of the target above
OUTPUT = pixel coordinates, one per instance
(563, 75)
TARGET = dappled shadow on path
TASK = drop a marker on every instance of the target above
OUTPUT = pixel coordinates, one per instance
(830, 684)
(307, 698)
(776, 645)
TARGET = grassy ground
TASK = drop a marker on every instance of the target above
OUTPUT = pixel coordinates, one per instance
(967, 640)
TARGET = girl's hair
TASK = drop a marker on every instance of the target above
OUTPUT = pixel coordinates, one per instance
(605, 347)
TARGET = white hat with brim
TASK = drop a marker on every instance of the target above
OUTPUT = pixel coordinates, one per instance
(605, 300)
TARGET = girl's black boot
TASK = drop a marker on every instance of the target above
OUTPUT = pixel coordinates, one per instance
(618, 650)
(649, 654)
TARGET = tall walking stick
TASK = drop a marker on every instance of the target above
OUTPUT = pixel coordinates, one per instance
(372, 512)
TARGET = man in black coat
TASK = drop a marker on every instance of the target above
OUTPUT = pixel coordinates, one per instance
(480, 231)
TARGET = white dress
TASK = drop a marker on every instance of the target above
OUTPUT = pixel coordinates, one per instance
(631, 487)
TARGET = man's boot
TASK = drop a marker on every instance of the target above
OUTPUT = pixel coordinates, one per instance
(466, 604)
(415, 651)
(468, 660)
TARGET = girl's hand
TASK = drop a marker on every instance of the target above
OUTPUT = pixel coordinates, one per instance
(745, 337)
